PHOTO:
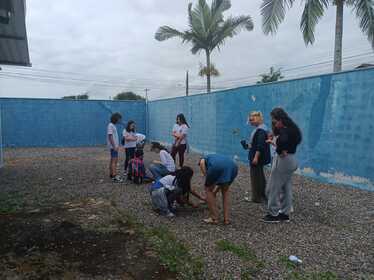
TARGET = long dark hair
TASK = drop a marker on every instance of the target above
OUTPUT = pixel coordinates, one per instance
(128, 127)
(157, 145)
(183, 179)
(182, 119)
(280, 115)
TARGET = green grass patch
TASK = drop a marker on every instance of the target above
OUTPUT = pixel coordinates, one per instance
(174, 254)
(171, 252)
(296, 272)
(10, 203)
(254, 264)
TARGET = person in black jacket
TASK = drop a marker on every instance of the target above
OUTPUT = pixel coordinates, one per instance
(279, 189)
(258, 156)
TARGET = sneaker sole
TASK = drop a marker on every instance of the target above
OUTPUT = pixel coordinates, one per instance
(270, 222)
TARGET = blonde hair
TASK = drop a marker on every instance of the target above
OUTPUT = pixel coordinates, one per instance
(257, 115)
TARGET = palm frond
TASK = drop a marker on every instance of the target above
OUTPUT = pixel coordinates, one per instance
(205, 70)
(365, 12)
(313, 11)
(166, 32)
(273, 12)
(231, 27)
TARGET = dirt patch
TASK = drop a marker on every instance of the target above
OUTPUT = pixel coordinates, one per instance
(84, 240)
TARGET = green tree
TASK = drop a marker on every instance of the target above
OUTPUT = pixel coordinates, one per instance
(273, 13)
(272, 76)
(207, 29)
(84, 96)
(204, 71)
(128, 95)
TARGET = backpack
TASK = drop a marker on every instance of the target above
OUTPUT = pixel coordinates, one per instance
(136, 170)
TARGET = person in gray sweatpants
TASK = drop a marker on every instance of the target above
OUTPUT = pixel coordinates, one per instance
(279, 188)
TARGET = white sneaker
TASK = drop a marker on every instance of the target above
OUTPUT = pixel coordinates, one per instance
(170, 215)
(117, 179)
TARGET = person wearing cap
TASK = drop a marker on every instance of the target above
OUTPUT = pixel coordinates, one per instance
(219, 171)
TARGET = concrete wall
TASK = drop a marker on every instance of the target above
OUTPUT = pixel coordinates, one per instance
(63, 123)
(334, 112)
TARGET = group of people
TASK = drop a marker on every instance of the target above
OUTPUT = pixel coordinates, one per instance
(171, 186)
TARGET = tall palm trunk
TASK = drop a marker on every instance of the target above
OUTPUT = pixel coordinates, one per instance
(338, 36)
(207, 52)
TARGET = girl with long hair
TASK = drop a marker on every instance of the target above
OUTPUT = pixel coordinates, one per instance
(279, 189)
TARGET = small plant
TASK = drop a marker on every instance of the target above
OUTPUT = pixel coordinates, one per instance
(174, 254)
(10, 203)
(245, 254)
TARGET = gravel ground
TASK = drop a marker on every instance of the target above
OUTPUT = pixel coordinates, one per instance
(332, 228)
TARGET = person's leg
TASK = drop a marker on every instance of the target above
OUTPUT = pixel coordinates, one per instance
(181, 150)
(226, 204)
(158, 170)
(113, 163)
(174, 150)
(255, 183)
(130, 153)
(211, 201)
(127, 159)
(262, 183)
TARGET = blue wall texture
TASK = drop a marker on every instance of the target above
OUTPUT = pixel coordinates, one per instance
(63, 123)
(335, 113)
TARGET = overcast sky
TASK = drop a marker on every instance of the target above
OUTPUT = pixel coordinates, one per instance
(111, 43)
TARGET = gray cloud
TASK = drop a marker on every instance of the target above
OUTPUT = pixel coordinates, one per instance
(113, 41)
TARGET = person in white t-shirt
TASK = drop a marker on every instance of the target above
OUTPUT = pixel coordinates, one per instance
(164, 167)
(113, 145)
(129, 140)
(180, 132)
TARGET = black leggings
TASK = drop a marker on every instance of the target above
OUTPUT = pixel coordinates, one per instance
(130, 153)
(180, 149)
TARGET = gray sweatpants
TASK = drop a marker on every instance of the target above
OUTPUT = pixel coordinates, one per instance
(279, 187)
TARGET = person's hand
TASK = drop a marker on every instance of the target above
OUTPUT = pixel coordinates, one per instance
(255, 161)
(283, 154)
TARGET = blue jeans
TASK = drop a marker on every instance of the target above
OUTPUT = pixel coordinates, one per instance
(158, 170)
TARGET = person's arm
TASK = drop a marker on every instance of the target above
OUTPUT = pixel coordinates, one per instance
(111, 141)
(282, 143)
(129, 137)
(197, 195)
(260, 146)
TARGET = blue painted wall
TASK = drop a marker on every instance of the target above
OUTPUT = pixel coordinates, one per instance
(1, 144)
(334, 112)
(63, 123)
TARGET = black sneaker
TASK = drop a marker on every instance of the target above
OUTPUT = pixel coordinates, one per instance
(284, 217)
(271, 219)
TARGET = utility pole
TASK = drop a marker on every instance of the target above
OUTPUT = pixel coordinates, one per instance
(146, 113)
(187, 83)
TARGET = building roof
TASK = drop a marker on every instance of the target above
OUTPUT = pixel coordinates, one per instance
(13, 37)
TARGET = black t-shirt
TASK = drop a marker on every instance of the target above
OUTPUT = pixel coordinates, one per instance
(287, 140)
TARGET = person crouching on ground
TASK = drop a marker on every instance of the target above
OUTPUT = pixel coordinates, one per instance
(113, 144)
(258, 156)
(166, 191)
(279, 188)
(164, 167)
(219, 171)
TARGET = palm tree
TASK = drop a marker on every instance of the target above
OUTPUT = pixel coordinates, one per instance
(205, 71)
(273, 13)
(272, 76)
(208, 29)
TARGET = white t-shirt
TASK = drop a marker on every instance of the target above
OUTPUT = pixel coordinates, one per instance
(167, 181)
(167, 160)
(181, 129)
(129, 144)
(112, 130)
